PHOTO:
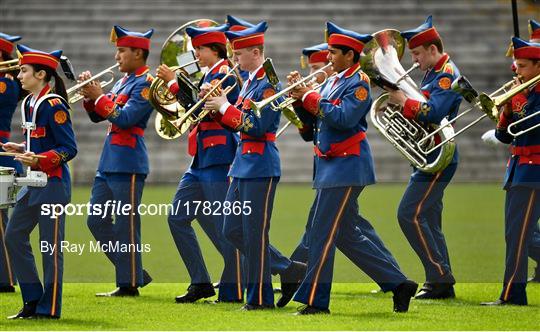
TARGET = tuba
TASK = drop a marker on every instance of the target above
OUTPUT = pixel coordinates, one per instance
(176, 53)
(380, 62)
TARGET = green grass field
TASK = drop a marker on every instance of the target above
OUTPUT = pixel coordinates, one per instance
(473, 224)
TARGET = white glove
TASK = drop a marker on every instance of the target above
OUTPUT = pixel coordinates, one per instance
(489, 138)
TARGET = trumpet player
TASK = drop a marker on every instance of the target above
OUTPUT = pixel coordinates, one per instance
(420, 209)
(212, 147)
(255, 173)
(522, 207)
(343, 167)
(317, 59)
(123, 165)
(10, 94)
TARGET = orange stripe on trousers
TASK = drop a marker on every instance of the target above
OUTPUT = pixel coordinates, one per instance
(520, 246)
(238, 275)
(263, 240)
(132, 231)
(417, 224)
(55, 282)
(328, 244)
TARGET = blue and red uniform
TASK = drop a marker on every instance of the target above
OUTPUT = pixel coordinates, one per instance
(54, 138)
(9, 97)
(343, 167)
(521, 182)
(213, 148)
(123, 165)
(255, 173)
(319, 54)
(420, 209)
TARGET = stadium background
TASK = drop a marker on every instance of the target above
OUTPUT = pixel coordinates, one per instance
(475, 34)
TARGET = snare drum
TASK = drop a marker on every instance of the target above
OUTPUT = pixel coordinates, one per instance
(8, 190)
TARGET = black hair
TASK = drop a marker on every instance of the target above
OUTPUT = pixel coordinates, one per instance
(219, 48)
(344, 49)
(22, 93)
(59, 86)
(145, 52)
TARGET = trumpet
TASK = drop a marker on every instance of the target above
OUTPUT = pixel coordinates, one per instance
(74, 94)
(11, 65)
(189, 118)
(288, 110)
(258, 106)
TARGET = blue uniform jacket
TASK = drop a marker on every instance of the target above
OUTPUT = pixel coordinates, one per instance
(54, 138)
(9, 97)
(127, 109)
(257, 155)
(442, 101)
(214, 144)
(524, 164)
(343, 156)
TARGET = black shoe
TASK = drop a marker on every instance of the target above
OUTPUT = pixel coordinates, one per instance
(309, 310)
(27, 311)
(146, 278)
(7, 289)
(250, 307)
(43, 316)
(536, 275)
(120, 292)
(196, 292)
(277, 290)
(403, 294)
(443, 288)
(290, 281)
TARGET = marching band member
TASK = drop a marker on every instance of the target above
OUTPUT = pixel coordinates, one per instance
(317, 58)
(213, 148)
(123, 165)
(10, 94)
(343, 167)
(53, 138)
(522, 185)
(238, 24)
(255, 173)
(420, 209)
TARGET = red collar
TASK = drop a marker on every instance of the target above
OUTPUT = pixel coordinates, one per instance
(260, 74)
(442, 61)
(352, 70)
(46, 89)
(218, 66)
(141, 71)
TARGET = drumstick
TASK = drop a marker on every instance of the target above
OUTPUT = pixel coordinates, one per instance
(16, 154)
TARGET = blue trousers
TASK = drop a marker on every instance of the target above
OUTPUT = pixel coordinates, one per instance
(7, 276)
(51, 233)
(126, 229)
(420, 218)
(209, 184)
(522, 211)
(248, 232)
(300, 253)
(335, 223)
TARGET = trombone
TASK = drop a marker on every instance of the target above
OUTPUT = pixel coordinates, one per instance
(11, 65)
(502, 100)
(488, 104)
(74, 94)
(189, 118)
(258, 106)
